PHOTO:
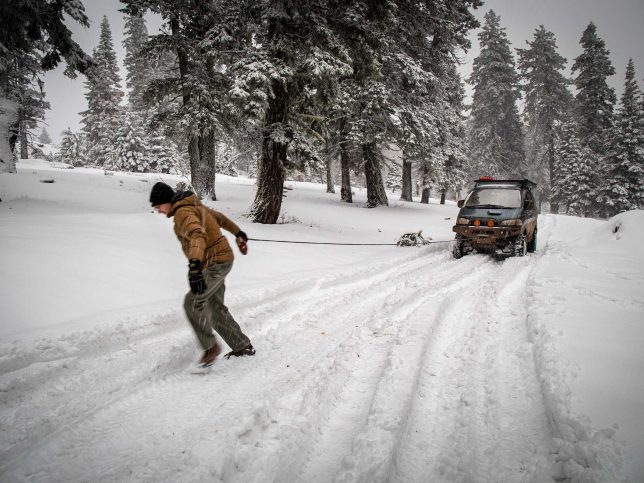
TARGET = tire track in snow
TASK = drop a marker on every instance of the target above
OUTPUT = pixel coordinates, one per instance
(478, 414)
(39, 380)
(378, 454)
(172, 394)
(356, 403)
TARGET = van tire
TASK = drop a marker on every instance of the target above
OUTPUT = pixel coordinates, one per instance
(519, 246)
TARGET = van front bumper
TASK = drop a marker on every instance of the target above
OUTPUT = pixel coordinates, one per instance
(485, 235)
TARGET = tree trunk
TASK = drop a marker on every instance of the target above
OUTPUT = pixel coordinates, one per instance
(406, 193)
(425, 195)
(271, 173)
(376, 195)
(24, 144)
(8, 135)
(443, 196)
(207, 165)
(330, 187)
(345, 170)
(194, 157)
(270, 182)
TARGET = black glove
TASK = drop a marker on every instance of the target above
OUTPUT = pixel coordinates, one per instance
(195, 277)
(241, 235)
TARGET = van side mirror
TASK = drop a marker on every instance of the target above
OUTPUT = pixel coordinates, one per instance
(459, 203)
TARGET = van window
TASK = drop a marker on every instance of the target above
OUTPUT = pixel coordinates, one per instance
(494, 198)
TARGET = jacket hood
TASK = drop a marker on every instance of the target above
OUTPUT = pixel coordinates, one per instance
(186, 198)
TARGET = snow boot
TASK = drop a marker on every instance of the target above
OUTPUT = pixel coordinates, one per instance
(210, 355)
(249, 350)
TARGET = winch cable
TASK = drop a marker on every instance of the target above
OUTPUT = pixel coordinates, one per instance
(345, 244)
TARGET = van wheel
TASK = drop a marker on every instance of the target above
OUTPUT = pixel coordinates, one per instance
(532, 244)
(461, 247)
(457, 249)
(519, 246)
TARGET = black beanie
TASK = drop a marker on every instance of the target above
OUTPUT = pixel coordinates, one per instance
(161, 193)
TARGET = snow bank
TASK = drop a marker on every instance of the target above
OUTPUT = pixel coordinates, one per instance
(587, 323)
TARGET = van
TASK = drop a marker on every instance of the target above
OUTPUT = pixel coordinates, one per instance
(497, 217)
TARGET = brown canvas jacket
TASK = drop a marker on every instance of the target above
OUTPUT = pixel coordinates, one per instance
(198, 228)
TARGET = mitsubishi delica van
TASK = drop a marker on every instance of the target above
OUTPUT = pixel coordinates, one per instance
(497, 217)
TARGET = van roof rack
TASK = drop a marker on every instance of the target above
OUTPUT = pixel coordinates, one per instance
(524, 183)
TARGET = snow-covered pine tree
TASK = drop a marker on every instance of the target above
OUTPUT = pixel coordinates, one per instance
(44, 137)
(640, 186)
(401, 54)
(625, 160)
(27, 28)
(299, 56)
(594, 99)
(547, 100)
(131, 144)
(101, 119)
(567, 154)
(69, 151)
(164, 155)
(451, 128)
(583, 191)
(575, 184)
(394, 177)
(201, 35)
(495, 136)
(32, 108)
(137, 65)
(226, 158)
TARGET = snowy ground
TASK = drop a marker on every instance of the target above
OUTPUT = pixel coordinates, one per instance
(374, 363)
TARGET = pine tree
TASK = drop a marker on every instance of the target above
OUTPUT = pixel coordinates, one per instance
(131, 144)
(640, 185)
(138, 67)
(583, 184)
(394, 177)
(31, 111)
(594, 99)
(547, 100)
(44, 137)
(402, 56)
(69, 151)
(27, 28)
(575, 184)
(102, 118)
(495, 137)
(625, 160)
(452, 152)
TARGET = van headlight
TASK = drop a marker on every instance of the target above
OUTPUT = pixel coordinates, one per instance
(462, 221)
(512, 223)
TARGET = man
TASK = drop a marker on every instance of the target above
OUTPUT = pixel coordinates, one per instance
(210, 258)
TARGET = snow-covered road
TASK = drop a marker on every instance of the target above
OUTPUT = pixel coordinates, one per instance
(417, 368)
(373, 363)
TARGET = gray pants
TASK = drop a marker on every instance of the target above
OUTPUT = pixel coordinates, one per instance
(207, 311)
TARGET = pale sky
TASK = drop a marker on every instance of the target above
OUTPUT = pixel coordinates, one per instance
(619, 23)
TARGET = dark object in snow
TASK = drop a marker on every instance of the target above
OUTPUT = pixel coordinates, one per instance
(497, 217)
(47, 181)
(413, 240)
(249, 350)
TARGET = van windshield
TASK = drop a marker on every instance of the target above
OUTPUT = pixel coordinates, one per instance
(494, 198)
